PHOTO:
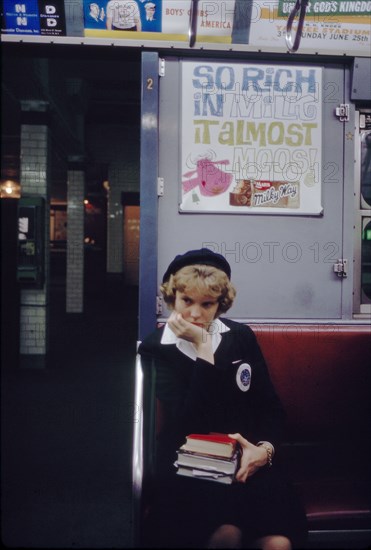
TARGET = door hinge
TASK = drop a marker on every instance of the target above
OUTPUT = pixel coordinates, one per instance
(160, 187)
(341, 268)
(159, 305)
(342, 112)
(161, 67)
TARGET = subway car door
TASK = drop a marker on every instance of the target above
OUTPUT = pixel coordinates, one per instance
(255, 161)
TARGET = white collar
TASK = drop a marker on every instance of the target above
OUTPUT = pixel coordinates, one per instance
(217, 329)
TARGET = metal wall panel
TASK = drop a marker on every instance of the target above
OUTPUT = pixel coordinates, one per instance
(283, 267)
(148, 193)
(361, 79)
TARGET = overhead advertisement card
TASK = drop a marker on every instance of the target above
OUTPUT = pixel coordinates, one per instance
(251, 138)
(159, 19)
(34, 17)
(338, 26)
(20, 17)
(52, 18)
(121, 17)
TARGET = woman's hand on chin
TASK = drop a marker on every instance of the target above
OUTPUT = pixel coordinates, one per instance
(191, 332)
(196, 334)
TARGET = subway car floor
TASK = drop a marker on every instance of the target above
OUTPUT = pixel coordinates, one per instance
(67, 429)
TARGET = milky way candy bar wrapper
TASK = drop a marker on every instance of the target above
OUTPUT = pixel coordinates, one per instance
(265, 193)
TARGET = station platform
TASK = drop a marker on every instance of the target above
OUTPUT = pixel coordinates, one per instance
(67, 429)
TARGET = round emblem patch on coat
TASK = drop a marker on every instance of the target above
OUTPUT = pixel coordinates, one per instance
(243, 377)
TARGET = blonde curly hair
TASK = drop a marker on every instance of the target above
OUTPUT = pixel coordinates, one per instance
(206, 279)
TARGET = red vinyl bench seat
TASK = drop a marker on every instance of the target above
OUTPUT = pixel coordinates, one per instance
(322, 374)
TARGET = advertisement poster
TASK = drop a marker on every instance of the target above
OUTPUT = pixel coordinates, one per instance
(168, 18)
(339, 26)
(251, 138)
(122, 16)
(34, 17)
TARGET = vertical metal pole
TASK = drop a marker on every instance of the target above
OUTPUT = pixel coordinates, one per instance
(148, 193)
(138, 454)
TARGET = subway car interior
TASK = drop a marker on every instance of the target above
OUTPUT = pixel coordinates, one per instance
(117, 154)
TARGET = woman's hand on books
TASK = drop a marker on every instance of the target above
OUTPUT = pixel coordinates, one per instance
(252, 459)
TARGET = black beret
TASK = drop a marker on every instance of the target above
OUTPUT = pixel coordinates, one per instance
(204, 256)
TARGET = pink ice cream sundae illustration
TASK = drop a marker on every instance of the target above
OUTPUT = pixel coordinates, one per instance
(208, 177)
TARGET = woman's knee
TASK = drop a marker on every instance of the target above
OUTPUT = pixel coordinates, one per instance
(226, 536)
(273, 542)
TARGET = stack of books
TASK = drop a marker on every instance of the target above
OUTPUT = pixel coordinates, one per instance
(212, 456)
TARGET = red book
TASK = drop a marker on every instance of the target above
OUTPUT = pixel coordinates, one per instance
(215, 444)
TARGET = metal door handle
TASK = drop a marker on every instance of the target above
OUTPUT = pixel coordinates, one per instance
(299, 8)
(192, 30)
